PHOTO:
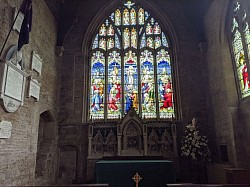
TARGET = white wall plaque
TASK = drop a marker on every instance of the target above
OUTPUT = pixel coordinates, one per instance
(36, 63)
(34, 89)
(17, 25)
(5, 129)
(12, 81)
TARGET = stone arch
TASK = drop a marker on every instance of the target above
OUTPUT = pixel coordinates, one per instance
(46, 147)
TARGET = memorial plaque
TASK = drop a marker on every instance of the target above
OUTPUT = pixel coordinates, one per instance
(17, 25)
(5, 129)
(14, 84)
(36, 63)
(12, 81)
(34, 89)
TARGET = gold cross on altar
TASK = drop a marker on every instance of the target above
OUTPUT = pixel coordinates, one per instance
(137, 178)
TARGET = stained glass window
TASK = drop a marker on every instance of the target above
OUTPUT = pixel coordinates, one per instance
(131, 66)
(241, 47)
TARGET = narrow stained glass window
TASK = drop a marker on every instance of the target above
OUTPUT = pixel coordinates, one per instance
(241, 47)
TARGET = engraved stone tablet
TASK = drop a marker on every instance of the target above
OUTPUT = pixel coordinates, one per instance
(34, 89)
(17, 25)
(36, 63)
(12, 81)
(5, 129)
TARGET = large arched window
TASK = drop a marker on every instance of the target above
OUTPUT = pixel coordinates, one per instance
(240, 35)
(131, 66)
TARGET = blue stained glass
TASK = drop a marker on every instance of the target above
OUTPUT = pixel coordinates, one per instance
(143, 41)
(131, 81)
(117, 42)
(164, 40)
(112, 17)
(146, 15)
(95, 43)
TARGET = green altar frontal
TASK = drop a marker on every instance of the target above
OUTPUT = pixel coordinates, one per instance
(123, 173)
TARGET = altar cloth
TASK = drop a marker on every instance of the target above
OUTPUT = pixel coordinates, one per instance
(119, 173)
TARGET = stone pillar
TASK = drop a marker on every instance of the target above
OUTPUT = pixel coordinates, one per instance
(119, 142)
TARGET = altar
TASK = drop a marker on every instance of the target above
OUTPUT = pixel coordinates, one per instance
(129, 173)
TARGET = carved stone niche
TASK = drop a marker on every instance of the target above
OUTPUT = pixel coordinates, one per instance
(130, 135)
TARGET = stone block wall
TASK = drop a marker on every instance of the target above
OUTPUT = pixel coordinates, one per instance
(18, 154)
(227, 112)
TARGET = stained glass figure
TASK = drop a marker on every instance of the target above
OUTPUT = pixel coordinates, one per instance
(157, 29)
(133, 17)
(240, 63)
(134, 38)
(165, 89)
(157, 42)
(117, 17)
(247, 38)
(148, 99)
(97, 85)
(126, 38)
(102, 43)
(126, 17)
(111, 31)
(114, 85)
(130, 81)
(150, 42)
(111, 43)
(95, 43)
(102, 31)
(117, 42)
(149, 29)
(141, 16)
(241, 47)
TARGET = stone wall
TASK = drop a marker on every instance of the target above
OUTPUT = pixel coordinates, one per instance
(18, 154)
(227, 113)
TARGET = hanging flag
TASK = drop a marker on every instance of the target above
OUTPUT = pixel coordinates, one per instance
(26, 9)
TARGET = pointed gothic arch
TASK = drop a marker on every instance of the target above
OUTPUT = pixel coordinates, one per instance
(108, 46)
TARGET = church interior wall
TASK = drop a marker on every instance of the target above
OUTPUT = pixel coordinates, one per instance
(18, 154)
(230, 127)
(75, 75)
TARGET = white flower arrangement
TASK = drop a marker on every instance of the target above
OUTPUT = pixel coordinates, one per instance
(193, 145)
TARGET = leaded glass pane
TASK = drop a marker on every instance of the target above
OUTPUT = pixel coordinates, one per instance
(130, 81)
(110, 43)
(117, 42)
(114, 85)
(134, 38)
(117, 17)
(133, 17)
(143, 41)
(102, 43)
(95, 43)
(97, 85)
(165, 89)
(126, 38)
(148, 99)
(126, 17)
(141, 16)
